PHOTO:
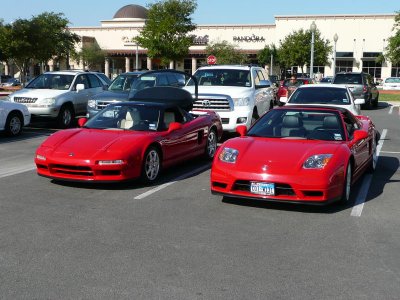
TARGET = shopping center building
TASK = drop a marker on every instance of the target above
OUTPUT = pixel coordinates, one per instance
(361, 38)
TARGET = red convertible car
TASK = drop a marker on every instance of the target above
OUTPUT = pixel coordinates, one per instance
(134, 139)
(300, 154)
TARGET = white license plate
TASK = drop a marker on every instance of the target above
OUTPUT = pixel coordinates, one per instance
(262, 188)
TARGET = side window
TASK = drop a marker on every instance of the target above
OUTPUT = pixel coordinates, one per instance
(94, 81)
(173, 81)
(261, 75)
(82, 79)
(256, 78)
(162, 80)
(351, 124)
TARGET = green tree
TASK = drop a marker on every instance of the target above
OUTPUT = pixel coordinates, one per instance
(226, 53)
(165, 34)
(91, 55)
(393, 47)
(38, 39)
(295, 49)
(264, 55)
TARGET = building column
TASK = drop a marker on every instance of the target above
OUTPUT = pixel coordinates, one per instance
(194, 65)
(107, 67)
(149, 63)
(51, 65)
(127, 64)
(6, 69)
(171, 64)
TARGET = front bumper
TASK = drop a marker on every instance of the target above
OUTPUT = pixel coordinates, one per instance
(230, 118)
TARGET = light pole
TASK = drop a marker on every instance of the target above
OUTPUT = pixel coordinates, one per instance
(335, 39)
(312, 28)
(272, 62)
(137, 56)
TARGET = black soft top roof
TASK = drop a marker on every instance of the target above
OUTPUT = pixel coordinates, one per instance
(173, 95)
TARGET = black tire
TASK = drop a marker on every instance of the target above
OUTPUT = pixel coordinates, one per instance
(375, 103)
(151, 165)
(372, 164)
(14, 124)
(368, 104)
(65, 117)
(347, 184)
(211, 145)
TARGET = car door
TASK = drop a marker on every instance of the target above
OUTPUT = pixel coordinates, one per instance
(261, 94)
(180, 143)
(3, 114)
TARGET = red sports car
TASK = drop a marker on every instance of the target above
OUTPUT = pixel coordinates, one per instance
(301, 154)
(129, 140)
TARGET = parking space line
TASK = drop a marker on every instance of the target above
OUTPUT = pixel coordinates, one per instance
(362, 195)
(17, 170)
(183, 176)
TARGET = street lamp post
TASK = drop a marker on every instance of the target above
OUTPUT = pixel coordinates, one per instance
(335, 39)
(312, 28)
(272, 62)
(137, 56)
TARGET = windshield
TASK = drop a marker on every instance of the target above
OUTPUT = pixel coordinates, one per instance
(126, 117)
(393, 80)
(51, 81)
(122, 82)
(348, 79)
(222, 77)
(299, 124)
(320, 95)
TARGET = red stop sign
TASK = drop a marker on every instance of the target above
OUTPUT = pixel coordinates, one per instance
(211, 60)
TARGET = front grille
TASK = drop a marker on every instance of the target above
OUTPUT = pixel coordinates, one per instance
(281, 189)
(25, 99)
(101, 104)
(71, 170)
(213, 103)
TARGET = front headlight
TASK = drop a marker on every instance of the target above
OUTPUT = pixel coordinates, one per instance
(245, 101)
(318, 161)
(92, 103)
(40, 157)
(46, 102)
(229, 155)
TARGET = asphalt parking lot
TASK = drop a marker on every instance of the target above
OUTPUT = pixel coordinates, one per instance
(175, 240)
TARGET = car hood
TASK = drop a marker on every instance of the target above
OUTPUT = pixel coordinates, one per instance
(38, 93)
(85, 143)
(280, 156)
(112, 96)
(233, 91)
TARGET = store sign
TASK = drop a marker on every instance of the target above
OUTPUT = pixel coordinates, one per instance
(200, 40)
(128, 41)
(249, 38)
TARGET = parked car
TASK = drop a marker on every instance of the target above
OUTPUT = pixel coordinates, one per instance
(4, 78)
(10, 82)
(299, 154)
(132, 139)
(284, 91)
(391, 83)
(13, 116)
(361, 85)
(60, 95)
(240, 94)
(327, 79)
(325, 95)
(117, 91)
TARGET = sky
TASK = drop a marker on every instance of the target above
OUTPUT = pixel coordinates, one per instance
(91, 12)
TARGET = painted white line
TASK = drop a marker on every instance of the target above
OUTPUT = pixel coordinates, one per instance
(160, 187)
(391, 152)
(362, 196)
(391, 110)
(17, 170)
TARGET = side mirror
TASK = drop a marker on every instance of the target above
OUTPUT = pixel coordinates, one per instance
(359, 101)
(174, 126)
(82, 121)
(242, 130)
(360, 135)
(80, 87)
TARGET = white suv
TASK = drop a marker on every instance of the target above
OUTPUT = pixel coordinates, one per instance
(239, 94)
(60, 94)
